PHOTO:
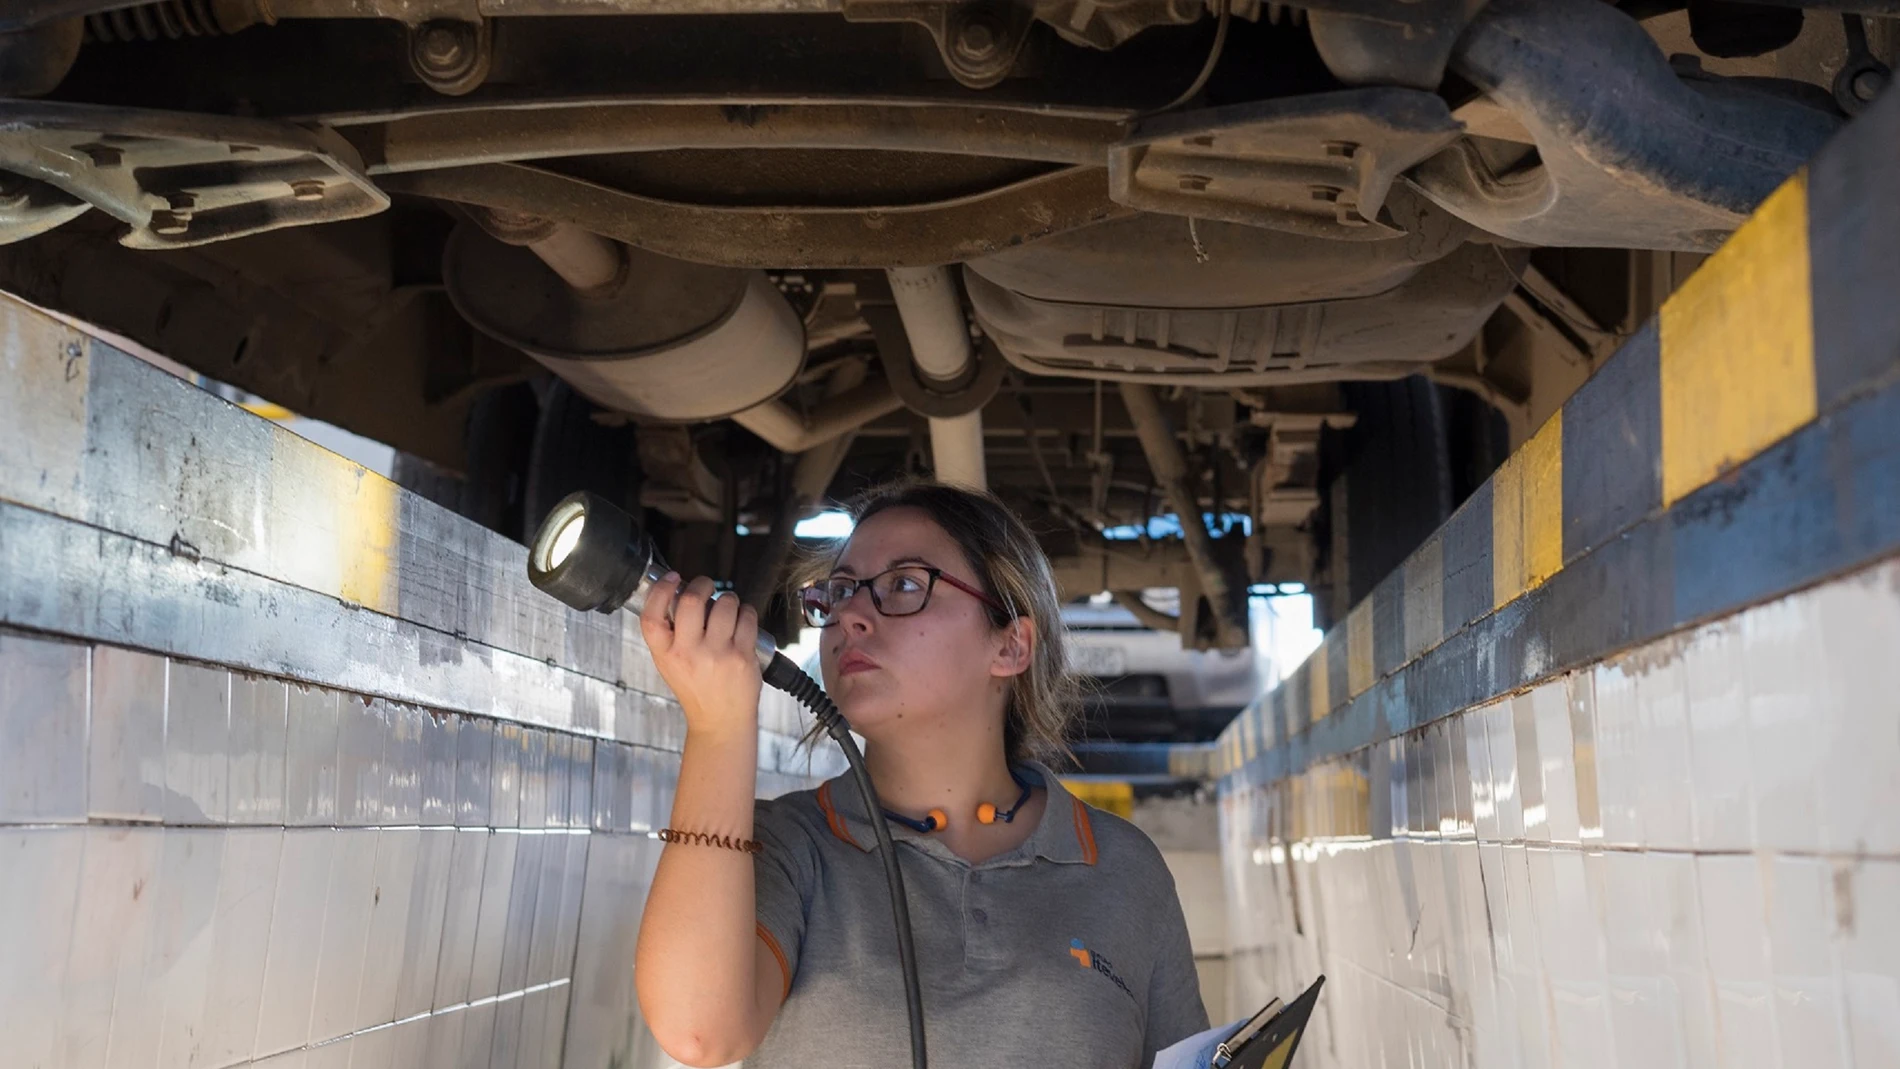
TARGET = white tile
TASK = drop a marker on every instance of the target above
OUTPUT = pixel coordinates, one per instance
(1810, 1015)
(403, 765)
(347, 908)
(478, 1037)
(505, 1048)
(474, 762)
(505, 772)
(522, 898)
(532, 1039)
(422, 936)
(44, 689)
(460, 916)
(1787, 728)
(1618, 756)
(409, 1047)
(547, 909)
(534, 779)
(437, 784)
(127, 747)
(1666, 784)
(1530, 768)
(445, 1040)
(39, 890)
(1859, 619)
(580, 785)
(1644, 1013)
(602, 1003)
(197, 744)
(247, 887)
(373, 1050)
(290, 1059)
(1867, 923)
(296, 938)
(1690, 985)
(332, 1055)
(1734, 913)
(257, 749)
(491, 926)
(1714, 677)
(556, 1027)
(1556, 757)
(1504, 772)
(362, 732)
(185, 934)
(577, 849)
(115, 893)
(394, 885)
(310, 757)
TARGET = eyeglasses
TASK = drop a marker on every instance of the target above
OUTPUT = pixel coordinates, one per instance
(902, 591)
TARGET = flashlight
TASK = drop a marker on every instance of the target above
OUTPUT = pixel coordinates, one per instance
(591, 555)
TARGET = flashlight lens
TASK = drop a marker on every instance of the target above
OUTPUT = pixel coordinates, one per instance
(566, 539)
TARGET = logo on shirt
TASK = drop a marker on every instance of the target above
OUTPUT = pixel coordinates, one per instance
(1089, 959)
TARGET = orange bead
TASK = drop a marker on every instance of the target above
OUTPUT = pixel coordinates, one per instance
(986, 813)
(940, 819)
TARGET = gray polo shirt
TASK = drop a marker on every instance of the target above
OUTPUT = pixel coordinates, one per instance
(1069, 952)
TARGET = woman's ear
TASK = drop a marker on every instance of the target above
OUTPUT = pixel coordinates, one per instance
(1018, 650)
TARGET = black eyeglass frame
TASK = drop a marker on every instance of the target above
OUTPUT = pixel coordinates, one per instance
(877, 603)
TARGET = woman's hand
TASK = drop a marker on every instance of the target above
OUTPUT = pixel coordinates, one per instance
(706, 654)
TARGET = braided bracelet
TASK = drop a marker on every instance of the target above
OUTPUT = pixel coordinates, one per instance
(700, 838)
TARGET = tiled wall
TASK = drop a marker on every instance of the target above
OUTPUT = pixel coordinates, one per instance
(203, 868)
(1685, 856)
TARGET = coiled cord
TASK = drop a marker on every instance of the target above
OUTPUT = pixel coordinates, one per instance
(161, 20)
(788, 677)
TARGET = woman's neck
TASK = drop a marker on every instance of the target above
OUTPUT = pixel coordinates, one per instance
(951, 770)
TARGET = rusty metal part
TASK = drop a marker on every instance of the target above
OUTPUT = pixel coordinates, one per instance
(790, 432)
(177, 180)
(459, 137)
(1321, 164)
(451, 56)
(28, 207)
(1223, 587)
(792, 237)
(978, 40)
(175, 19)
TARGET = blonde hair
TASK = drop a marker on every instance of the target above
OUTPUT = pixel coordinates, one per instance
(1009, 565)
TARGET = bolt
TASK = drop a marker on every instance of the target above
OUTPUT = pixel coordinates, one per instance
(1868, 84)
(1195, 183)
(444, 49)
(164, 222)
(976, 40)
(306, 189)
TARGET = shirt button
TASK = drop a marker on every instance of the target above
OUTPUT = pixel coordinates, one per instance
(979, 916)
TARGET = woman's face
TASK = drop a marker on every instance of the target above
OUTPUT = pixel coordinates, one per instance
(927, 670)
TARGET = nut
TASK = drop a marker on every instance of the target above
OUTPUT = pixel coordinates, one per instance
(169, 223)
(976, 40)
(444, 49)
(306, 189)
(1868, 84)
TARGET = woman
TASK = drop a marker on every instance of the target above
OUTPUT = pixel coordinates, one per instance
(1048, 934)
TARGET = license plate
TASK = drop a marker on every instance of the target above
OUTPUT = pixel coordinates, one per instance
(1100, 660)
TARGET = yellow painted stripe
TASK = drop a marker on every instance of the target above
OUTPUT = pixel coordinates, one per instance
(1359, 649)
(1527, 515)
(1737, 359)
(1318, 684)
(368, 544)
(267, 410)
(1110, 796)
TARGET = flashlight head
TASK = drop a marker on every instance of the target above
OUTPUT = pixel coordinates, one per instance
(591, 555)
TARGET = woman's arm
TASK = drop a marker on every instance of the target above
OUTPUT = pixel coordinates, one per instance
(708, 986)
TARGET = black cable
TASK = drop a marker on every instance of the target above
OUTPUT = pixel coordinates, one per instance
(1207, 69)
(788, 677)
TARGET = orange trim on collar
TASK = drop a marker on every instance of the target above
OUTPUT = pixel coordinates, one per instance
(831, 815)
(784, 967)
(1084, 831)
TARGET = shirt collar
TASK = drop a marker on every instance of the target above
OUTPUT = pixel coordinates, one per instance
(1065, 834)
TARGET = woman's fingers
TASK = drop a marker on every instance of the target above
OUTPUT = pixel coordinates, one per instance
(654, 626)
(689, 614)
(722, 618)
(746, 634)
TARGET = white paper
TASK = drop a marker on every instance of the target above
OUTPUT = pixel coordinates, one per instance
(1196, 1051)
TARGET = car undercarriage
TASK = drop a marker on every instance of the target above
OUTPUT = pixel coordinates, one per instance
(1307, 270)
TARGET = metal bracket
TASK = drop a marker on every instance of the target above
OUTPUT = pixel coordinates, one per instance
(178, 180)
(979, 41)
(1320, 165)
(1388, 42)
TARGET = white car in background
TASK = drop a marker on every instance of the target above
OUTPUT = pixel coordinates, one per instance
(1145, 686)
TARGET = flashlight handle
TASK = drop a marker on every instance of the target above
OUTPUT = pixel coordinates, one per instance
(657, 569)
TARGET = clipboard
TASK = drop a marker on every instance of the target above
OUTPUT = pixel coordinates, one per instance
(1269, 1038)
